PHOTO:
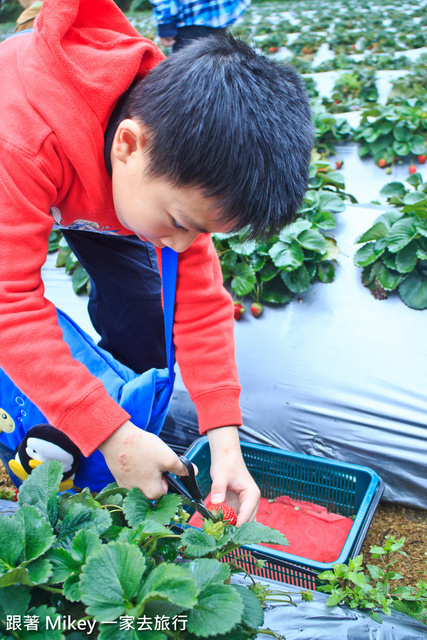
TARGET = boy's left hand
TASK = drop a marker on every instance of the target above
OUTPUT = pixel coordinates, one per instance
(231, 481)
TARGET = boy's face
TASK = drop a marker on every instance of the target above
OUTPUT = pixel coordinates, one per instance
(153, 209)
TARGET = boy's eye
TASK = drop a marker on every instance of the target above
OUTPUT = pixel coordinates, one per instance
(178, 226)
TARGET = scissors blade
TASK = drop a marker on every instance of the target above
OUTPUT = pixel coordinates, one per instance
(187, 486)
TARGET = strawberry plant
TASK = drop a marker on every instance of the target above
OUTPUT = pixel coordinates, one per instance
(394, 131)
(394, 252)
(352, 90)
(285, 265)
(414, 83)
(329, 129)
(350, 585)
(112, 563)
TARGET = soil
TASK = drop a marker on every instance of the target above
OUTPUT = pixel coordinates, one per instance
(389, 519)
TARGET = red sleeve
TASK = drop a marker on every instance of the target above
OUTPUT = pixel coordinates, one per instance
(32, 351)
(204, 336)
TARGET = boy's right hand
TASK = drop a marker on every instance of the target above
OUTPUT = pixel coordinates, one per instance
(137, 458)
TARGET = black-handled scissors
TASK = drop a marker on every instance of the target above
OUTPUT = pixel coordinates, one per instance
(187, 486)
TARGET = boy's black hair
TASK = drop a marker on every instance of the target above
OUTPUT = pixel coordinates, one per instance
(234, 124)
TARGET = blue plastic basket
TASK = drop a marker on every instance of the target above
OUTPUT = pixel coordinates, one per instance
(347, 489)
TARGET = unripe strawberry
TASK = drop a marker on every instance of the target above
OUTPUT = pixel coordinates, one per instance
(388, 171)
(256, 309)
(412, 168)
(228, 513)
(422, 158)
(382, 163)
(239, 309)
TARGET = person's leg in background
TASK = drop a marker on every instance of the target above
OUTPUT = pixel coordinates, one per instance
(125, 301)
(186, 34)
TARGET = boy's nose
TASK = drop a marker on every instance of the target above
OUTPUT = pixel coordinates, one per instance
(181, 242)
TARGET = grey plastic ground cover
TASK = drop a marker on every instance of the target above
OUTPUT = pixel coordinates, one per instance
(316, 621)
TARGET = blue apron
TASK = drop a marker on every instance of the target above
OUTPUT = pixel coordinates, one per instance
(145, 397)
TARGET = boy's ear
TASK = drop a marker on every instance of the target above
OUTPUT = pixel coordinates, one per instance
(130, 137)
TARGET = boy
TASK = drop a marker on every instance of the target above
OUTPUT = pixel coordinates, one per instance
(97, 134)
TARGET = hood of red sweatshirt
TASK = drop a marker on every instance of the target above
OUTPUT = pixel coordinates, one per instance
(80, 58)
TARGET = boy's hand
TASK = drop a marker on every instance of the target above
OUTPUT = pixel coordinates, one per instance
(137, 458)
(231, 480)
(167, 42)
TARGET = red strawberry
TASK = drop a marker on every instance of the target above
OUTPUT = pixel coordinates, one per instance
(339, 164)
(273, 49)
(412, 168)
(228, 513)
(382, 163)
(422, 158)
(256, 309)
(239, 309)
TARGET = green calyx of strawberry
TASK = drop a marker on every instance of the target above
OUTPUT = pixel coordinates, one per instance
(239, 310)
(215, 529)
(222, 512)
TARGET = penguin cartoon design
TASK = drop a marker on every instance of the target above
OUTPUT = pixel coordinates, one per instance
(6, 422)
(43, 442)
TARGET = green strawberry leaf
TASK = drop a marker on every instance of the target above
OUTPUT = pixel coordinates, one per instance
(401, 234)
(367, 255)
(413, 291)
(297, 281)
(207, 571)
(378, 230)
(276, 292)
(79, 517)
(245, 248)
(197, 543)
(63, 564)
(219, 608)
(14, 600)
(312, 240)
(324, 220)
(80, 279)
(11, 543)
(387, 279)
(243, 280)
(406, 258)
(38, 534)
(39, 570)
(393, 189)
(331, 202)
(114, 632)
(326, 272)
(287, 256)
(253, 614)
(268, 271)
(291, 231)
(136, 507)
(111, 578)
(257, 533)
(41, 488)
(169, 582)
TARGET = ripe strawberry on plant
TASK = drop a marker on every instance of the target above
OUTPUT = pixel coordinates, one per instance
(256, 309)
(239, 309)
(382, 163)
(412, 168)
(228, 513)
(339, 163)
(422, 158)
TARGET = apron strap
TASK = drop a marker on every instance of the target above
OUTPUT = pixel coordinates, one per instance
(169, 271)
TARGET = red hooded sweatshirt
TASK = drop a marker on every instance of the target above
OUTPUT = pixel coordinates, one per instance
(59, 86)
